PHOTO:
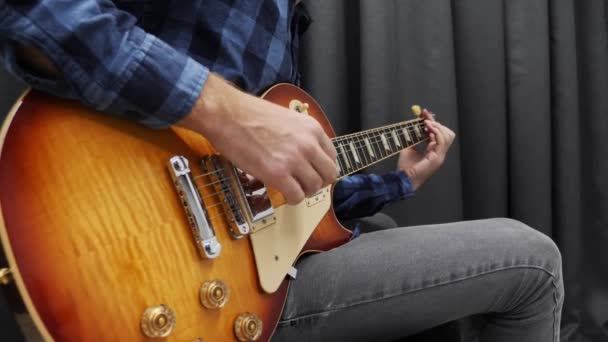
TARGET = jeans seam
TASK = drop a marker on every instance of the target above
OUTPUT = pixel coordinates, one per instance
(430, 287)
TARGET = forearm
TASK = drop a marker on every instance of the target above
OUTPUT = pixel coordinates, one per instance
(217, 101)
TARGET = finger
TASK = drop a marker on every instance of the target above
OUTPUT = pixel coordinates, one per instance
(434, 128)
(428, 115)
(327, 145)
(447, 135)
(432, 146)
(450, 135)
(328, 148)
(325, 166)
(309, 179)
(412, 153)
(291, 189)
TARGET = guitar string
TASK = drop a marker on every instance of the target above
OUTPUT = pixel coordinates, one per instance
(359, 146)
(405, 123)
(362, 146)
(224, 192)
(411, 130)
(227, 211)
(206, 174)
(340, 139)
(224, 214)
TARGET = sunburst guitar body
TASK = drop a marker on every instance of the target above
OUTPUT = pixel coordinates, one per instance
(116, 232)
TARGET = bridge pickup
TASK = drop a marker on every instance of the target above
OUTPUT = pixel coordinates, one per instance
(200, 225)
(213, 164)
(254, 197)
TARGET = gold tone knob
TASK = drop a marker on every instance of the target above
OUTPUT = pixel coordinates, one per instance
(6, 276)
(214, 294)
(157, 321)
(248, 327)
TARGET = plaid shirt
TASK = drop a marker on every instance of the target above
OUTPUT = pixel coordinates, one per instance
(148, 60)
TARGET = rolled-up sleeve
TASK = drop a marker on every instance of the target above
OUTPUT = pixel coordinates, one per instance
(105, 59)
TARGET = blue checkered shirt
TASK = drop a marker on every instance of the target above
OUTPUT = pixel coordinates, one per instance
(148, 60)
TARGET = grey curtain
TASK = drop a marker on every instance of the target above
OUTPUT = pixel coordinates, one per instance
(524, 85)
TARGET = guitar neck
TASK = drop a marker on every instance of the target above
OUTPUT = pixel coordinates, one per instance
(360, 150)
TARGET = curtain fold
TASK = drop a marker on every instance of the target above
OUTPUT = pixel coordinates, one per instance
(523, 84)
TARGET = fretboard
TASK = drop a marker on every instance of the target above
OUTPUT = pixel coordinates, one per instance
(360, 150)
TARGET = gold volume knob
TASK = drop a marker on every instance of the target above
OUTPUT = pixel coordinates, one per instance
(248, 327)
(157, 321)
(214, 294)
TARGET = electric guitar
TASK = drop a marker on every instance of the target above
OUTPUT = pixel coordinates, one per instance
(115, 232)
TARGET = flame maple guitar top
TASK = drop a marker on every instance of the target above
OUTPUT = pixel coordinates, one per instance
(95, 233)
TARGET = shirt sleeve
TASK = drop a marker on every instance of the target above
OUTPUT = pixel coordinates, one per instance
(106, 60)
(365, 194)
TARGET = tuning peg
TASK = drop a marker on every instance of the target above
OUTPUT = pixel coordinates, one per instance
(417, 110)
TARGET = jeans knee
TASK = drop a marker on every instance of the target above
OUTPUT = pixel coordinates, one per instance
(536, 249)
(527, 245)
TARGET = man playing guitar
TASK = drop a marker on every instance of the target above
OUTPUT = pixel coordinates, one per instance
(163, 63)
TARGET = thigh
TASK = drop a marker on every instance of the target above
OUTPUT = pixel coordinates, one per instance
(391, 283)
(379, 221)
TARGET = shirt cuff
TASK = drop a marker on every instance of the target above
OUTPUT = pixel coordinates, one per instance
(177, 81)
(405, 184)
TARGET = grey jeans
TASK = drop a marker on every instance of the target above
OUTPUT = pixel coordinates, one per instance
(391, 283)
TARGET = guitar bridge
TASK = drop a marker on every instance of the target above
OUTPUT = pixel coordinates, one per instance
(203, 233)
(245, 197)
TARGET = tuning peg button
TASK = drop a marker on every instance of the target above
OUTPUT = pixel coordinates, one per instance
(416, 110)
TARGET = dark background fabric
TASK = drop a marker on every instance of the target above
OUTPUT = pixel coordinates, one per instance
(524, 85)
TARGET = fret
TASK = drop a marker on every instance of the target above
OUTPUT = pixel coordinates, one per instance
(395, 139)
(399, 137)
(351, 145)
(364, 147)
(369, 147)
(384, 142)
(418, 132)
(406, 133)
(359, 153)
(339, 166)
(411, 130)
(362, 150)
(391, 144)
(359, 150)
(349, 154)
(344, 157)
(375, 143)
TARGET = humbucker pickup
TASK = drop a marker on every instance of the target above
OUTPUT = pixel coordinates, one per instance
(214, 166)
